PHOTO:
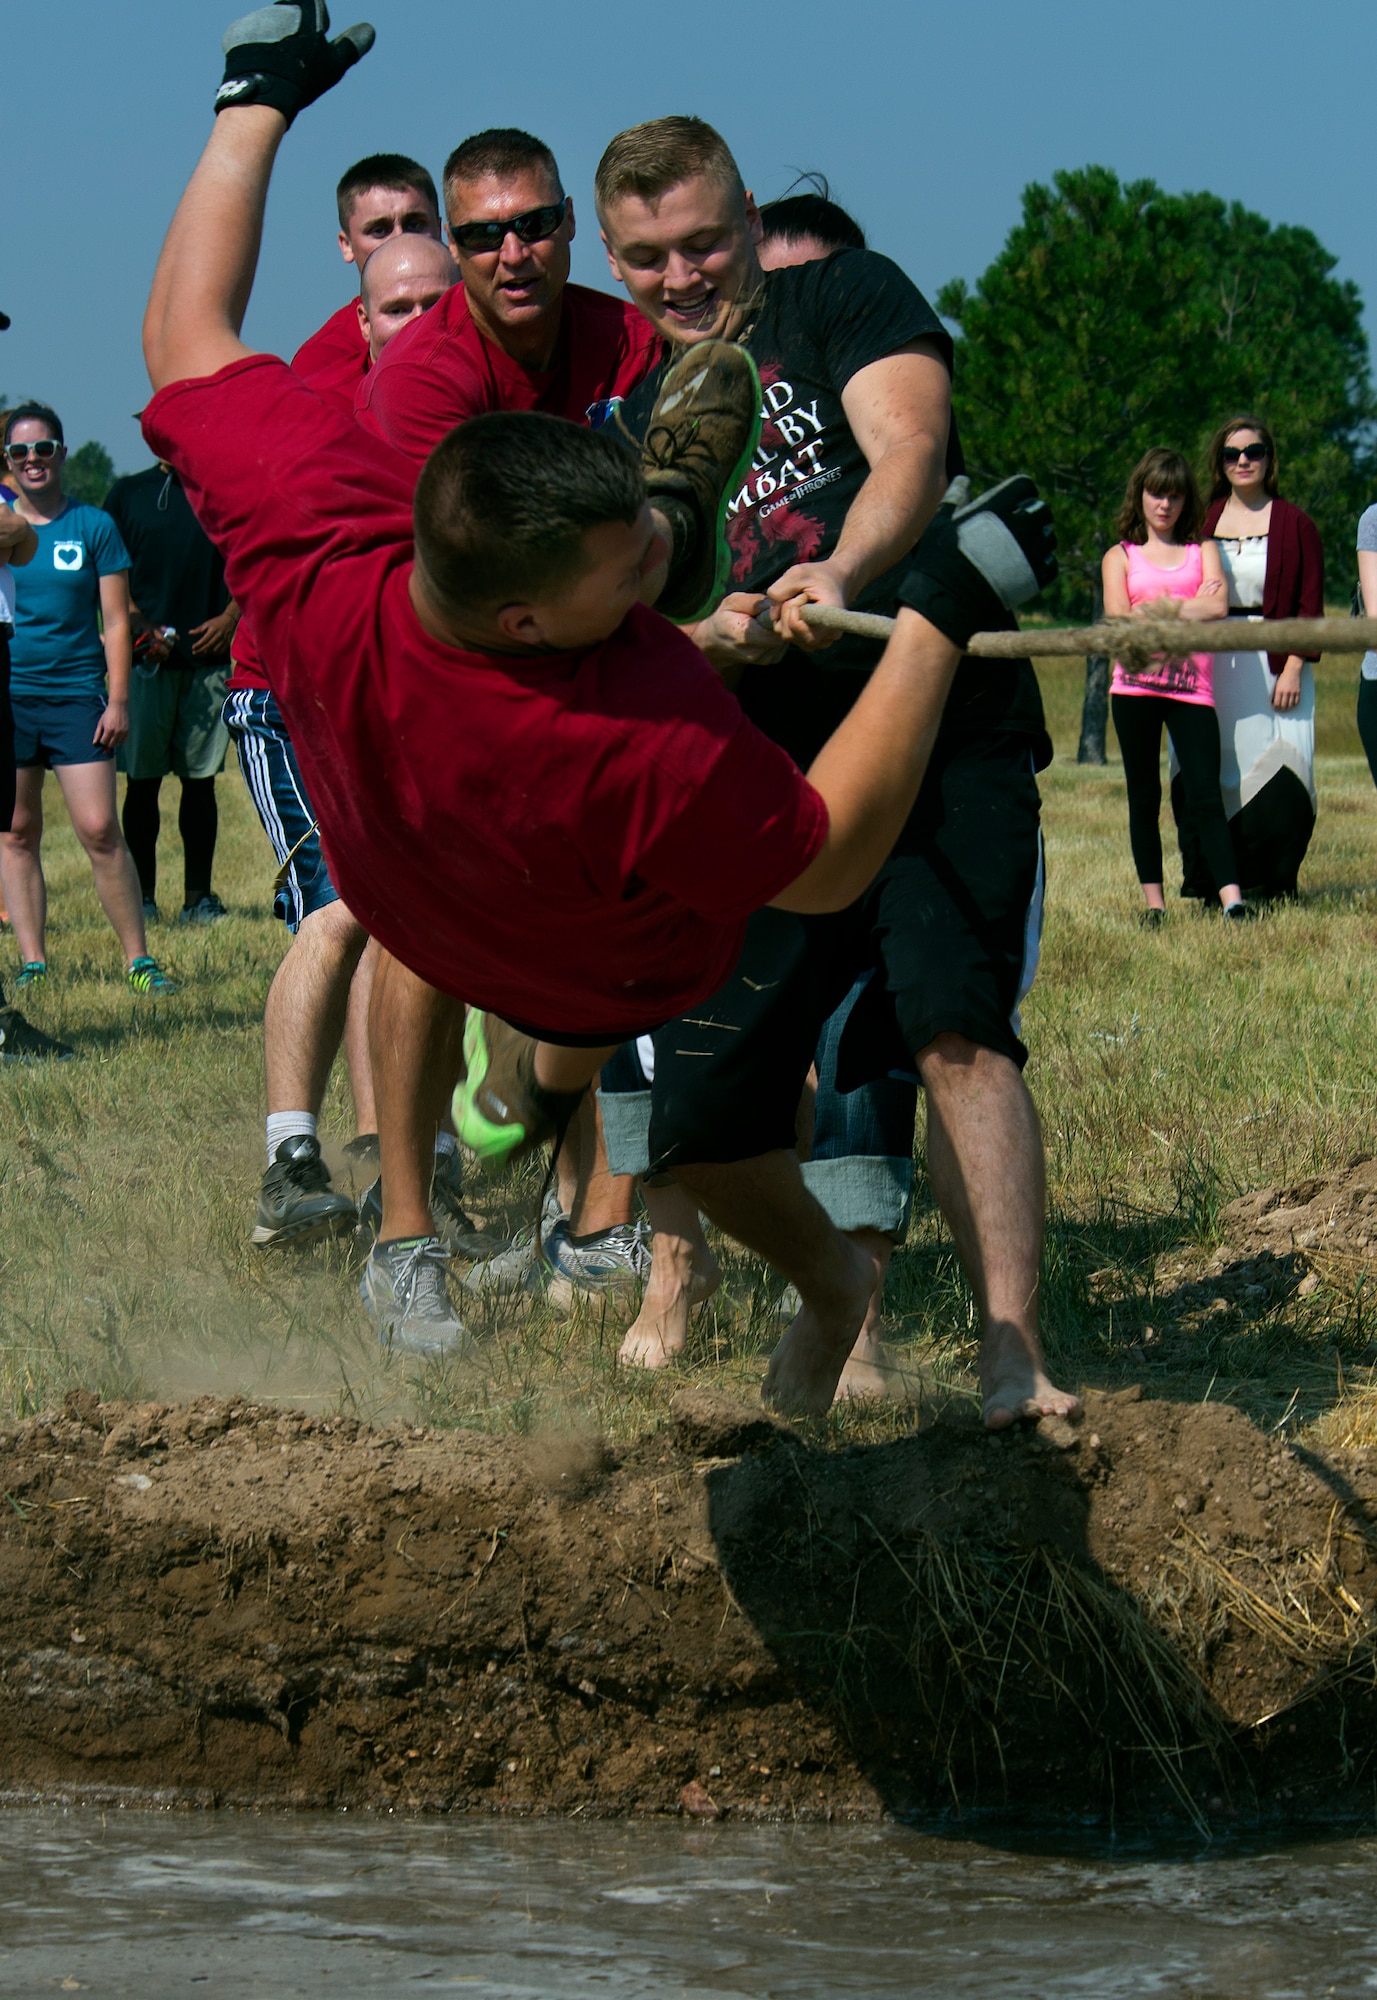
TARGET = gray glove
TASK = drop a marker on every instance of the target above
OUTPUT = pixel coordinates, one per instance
(279, 56)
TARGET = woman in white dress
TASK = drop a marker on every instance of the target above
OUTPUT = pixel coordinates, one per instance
(1274, 567)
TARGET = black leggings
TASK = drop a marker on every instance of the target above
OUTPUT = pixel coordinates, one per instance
(1139, 720)
(198, 822)
(1367, 722)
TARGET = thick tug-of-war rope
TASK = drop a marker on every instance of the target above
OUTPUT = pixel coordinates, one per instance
(1134, 640)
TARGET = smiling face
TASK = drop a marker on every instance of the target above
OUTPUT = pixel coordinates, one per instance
(402, 280)
(688, 259)
(519, 286)
(35, 477)
(380, 213)
(1162, 511)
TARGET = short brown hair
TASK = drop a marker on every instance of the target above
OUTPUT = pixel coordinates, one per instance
(1220, 488)
(504, 502)
(393, 171)
(1167, 473)
(502, 151)
(648, 160)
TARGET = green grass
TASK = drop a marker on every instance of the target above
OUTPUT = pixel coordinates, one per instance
(1171, 1070)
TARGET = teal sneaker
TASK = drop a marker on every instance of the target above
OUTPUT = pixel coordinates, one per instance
(145, 975)
(32, 973)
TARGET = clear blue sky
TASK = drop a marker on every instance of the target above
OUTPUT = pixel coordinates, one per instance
(927, 119)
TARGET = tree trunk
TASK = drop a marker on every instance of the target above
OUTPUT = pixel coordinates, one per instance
(1095, 709)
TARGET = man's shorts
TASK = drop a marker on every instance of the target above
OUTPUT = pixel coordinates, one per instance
(950, 927)
(50, 730)
(176, 724)
(271, 772)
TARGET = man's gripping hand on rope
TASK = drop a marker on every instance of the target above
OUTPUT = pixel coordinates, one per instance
(280, 56)
(979, 562)
(277, 61)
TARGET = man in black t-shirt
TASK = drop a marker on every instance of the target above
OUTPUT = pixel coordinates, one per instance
(177, 689)
(856, 453)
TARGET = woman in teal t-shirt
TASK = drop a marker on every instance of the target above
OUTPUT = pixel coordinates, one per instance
(64, 720)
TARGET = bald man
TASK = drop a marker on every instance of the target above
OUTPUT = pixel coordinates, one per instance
(402, 279)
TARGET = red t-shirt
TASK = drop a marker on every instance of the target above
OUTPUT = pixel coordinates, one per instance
(335, 356)
(333, 360)
(440, 370)
(573, 840)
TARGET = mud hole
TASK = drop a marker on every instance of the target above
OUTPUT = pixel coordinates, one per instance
(1162, 1609)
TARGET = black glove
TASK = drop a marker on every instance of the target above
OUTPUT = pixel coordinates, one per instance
(974, 565)
(279, 56)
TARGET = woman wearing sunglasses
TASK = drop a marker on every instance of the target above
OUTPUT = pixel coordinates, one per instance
(71, 630)
(1274, 567)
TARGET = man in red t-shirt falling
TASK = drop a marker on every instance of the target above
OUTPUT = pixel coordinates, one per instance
(533, 789)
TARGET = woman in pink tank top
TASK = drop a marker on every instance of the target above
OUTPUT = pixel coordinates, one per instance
(1160, 561)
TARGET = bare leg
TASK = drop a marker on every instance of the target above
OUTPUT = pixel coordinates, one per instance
(683, 1272)
(764, 1204)
(356, 1040)
(21, 865)
(304, 1016)
(871, 1372)
(985, 1164)
(416, 1041)
(601, 1200)
(89, 790)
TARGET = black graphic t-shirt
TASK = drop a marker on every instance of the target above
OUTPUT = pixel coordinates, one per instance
(817, 325)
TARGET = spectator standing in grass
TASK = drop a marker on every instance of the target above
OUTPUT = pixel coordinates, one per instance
(71, 632)
(1159, 565)
(177, 588)
(1367, 592)
(1274, 567)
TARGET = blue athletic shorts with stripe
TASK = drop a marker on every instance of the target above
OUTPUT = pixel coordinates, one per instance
(271, 772)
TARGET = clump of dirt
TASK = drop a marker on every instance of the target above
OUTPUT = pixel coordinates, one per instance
(1333, 1212)
(1159, 1608)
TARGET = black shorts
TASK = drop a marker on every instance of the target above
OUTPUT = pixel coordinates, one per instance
(952, 925)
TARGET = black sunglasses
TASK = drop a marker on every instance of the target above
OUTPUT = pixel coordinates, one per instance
(1254, 454)
(535, 225)
(44, 448)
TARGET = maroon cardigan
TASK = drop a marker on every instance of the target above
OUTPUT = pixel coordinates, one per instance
(1294, 584)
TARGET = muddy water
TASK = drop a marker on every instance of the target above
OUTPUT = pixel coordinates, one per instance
(147, 1905)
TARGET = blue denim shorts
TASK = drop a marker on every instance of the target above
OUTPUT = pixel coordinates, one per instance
(57, 729)
(273, 776)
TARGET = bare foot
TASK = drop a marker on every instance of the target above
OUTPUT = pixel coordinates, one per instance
(872, 1375)
(657, 1335)
(1013, 1382)
(807, 1365)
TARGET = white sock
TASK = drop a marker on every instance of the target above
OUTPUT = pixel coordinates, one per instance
(288, 1125)
(445, 1144)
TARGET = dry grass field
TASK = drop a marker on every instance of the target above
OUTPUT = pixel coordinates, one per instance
(1173, 1071)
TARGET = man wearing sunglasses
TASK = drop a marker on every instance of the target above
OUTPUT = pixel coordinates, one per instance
(516, 335)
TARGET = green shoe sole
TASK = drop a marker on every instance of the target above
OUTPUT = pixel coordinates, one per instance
(479, 1133)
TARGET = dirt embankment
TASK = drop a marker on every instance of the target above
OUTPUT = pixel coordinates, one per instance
(1163, 1608)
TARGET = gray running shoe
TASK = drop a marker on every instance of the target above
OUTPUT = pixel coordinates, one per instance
(296, 1203)
(403, 1286)
(151, 913)
(612, 1260)
(460, 1235)
(515, 1268)
(207, 909)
